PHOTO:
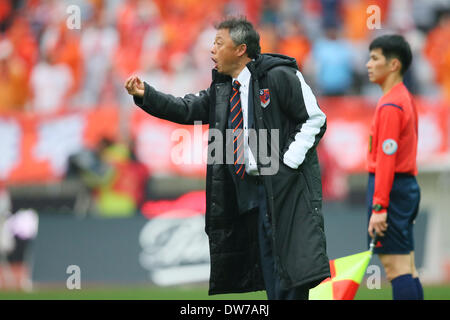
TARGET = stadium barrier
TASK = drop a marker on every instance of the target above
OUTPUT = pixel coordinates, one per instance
(36, 148)
(165, 250)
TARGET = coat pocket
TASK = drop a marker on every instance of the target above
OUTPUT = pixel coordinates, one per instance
(301, 238)
(316, 211)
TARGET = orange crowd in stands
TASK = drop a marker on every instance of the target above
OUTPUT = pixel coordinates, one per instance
(46, 67)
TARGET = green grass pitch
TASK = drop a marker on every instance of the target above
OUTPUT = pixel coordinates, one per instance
(194, 292)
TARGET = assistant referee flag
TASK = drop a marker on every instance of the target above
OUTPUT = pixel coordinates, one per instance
(346, 275)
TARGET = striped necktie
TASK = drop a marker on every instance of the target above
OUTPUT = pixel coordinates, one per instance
(238, 128)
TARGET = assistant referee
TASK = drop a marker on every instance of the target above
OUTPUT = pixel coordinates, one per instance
(393, 194)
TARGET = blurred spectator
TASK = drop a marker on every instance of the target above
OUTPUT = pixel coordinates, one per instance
(24, 42)
(331, 13)
(424, 13)
(117, 180)
(63, 45)
(14, 91)
(234, 7)
(16, 232)
(271, 12)
(355, 17)
(22, 227)
(134, 17)
(437, 50)
(153, 41)
(333, 63)
(201, 53)
(268, 38)
(311, 17)
(50, 85)
(294, 42)
(400, 17)
(41, 14)
(98, 43)
(5, 14)
(125, 191)
(253, 10)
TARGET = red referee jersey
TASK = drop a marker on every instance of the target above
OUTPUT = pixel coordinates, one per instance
(392, 141)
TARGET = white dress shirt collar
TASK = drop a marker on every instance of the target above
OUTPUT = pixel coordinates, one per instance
(244, 77)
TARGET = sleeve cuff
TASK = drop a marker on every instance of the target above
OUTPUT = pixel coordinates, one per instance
(139, 101)
(382, 202)
(291, 164)
(379, 212)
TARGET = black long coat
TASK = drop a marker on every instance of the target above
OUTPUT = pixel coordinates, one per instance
(294, 195)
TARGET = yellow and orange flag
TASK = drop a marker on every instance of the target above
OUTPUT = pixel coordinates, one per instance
(346, 275)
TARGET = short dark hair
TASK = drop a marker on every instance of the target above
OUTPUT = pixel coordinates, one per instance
(242, 32)
(394, 46)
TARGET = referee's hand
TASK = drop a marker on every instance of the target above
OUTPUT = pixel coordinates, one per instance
(378, 222)
(135, 86)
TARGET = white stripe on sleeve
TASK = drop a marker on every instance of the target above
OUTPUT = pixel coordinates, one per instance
(304, 139)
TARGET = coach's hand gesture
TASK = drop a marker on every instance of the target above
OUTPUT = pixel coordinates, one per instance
(135, 86)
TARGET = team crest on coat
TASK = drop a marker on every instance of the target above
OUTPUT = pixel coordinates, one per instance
(264, 95)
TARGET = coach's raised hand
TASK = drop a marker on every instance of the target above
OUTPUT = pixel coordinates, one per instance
(135, 86)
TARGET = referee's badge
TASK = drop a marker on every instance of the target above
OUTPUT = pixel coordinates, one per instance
(389, 146)
(264, 95)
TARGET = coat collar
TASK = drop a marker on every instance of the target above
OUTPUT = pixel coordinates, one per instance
(219, 77)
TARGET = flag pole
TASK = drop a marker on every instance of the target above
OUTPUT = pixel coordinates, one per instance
(373, 242)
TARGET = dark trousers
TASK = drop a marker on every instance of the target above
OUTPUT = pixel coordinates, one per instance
(270, 274)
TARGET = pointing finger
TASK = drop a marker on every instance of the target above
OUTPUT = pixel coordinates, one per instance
(128, 81)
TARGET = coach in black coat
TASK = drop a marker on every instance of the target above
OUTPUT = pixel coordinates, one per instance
(281, 102)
